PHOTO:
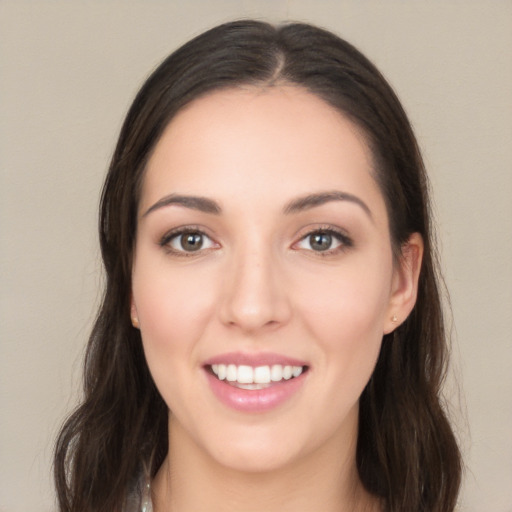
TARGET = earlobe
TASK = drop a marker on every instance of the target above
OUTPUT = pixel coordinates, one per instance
(405, 283)
(133, 314)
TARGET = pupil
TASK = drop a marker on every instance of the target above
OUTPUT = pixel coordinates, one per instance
(191, 241)
(321, 241)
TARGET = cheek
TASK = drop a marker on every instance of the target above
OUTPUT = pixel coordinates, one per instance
(350, 302)
(173, 308)
(346, 312)
(171, 305)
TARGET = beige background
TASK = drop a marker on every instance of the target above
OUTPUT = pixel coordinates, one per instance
(68, 72)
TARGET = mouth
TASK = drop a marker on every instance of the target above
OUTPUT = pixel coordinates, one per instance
(255, 377)
(255, 383)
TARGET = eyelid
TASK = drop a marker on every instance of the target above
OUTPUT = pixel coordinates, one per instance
(174, 233)
(345, 241)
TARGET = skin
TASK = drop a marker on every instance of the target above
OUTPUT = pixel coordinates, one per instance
(257, 284)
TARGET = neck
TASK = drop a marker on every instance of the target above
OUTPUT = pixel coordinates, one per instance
(191, 480)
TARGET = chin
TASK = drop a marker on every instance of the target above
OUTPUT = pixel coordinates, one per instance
(254, 460)
(252, 449)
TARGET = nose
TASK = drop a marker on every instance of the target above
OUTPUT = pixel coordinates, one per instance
(255, 295)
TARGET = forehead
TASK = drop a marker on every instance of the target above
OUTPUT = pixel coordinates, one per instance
(241, 142)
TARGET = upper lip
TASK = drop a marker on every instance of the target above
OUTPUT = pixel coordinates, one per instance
(255, 359)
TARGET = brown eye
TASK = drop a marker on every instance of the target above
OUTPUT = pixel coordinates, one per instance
(187, 242)
(191, 241)
(324, 241)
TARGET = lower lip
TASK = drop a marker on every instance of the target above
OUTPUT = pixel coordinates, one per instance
(255, 400)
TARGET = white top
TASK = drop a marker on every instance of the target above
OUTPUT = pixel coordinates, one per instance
(139, 500)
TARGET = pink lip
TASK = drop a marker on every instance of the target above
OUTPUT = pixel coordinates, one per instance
(254, 400)
(259, 359)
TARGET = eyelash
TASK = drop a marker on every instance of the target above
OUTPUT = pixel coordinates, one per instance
(345, 242)
(166, 240)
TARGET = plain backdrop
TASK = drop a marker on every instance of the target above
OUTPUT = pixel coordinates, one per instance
(68, 71)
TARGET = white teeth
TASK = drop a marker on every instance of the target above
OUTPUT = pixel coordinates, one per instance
(296, 371)
(262, 375)
(276, 373)
(244, 374)
(231, 373)
(221, 372)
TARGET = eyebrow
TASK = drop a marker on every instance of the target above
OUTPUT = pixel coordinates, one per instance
(202, 204)
(319, 199)
(206, 205)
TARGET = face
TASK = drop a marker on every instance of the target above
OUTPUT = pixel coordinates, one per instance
(263, 277)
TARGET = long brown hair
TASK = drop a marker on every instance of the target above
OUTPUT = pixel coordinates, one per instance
(406, 454)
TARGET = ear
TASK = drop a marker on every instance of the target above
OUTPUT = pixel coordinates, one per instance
(404, 289)
(133, 313)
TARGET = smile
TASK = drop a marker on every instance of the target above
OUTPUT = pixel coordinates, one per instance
(259, 377)
(255, 383)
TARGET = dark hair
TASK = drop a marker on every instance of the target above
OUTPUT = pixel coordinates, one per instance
(406, 452)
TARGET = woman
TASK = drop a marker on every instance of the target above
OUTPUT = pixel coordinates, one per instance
(271, 335)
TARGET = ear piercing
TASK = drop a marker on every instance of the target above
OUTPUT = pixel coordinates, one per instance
(394, 319)
(135, 322)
